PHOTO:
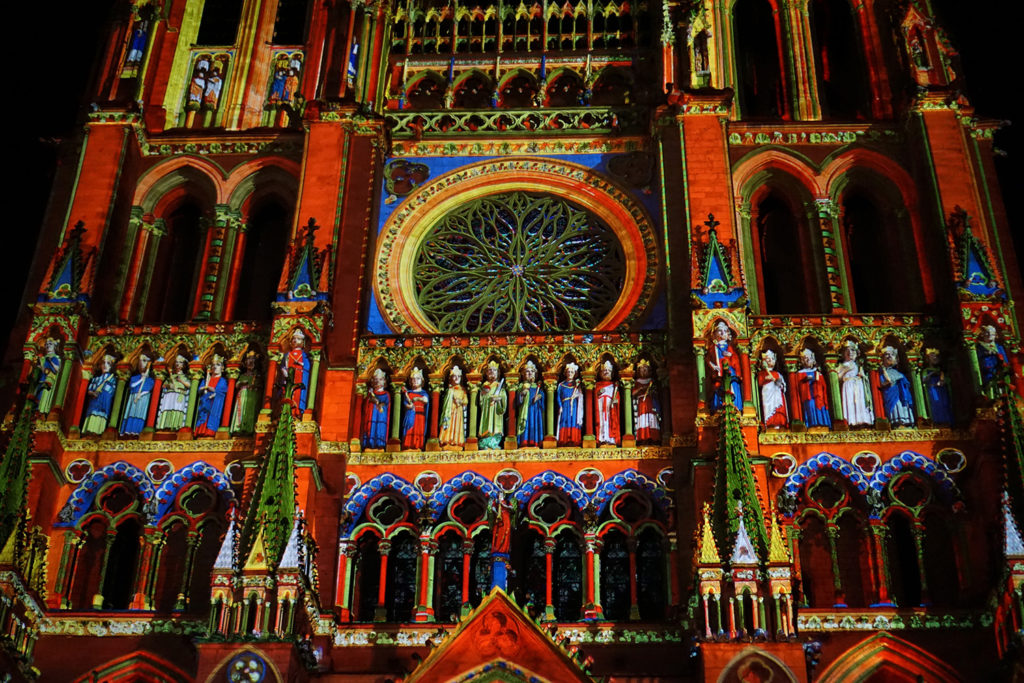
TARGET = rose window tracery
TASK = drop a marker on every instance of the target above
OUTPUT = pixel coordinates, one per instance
(518, 262)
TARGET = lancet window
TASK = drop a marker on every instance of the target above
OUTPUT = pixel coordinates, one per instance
(759, 60)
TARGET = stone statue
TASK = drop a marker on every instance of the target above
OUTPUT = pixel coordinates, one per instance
(248, 391)
(49, 373)
(724, 360)
(569, 394)
(415, 407)
(854, 388)
(606, 399)
(812, 392)
(296, 369)
(773, 393)
(174, 398)
(213, 393)
(100, 396)
(137, 398)
(992, 358)
(376, 412)
(452, 427)
(530, 408)
(646, 406)
(936, 387)
(492, 401)
(893, 385)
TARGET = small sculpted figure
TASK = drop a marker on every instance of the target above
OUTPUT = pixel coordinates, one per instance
(213, 393)
(530, 408)
(812, 392)
(452, 427)
(248, 390)
(570, 408)
(174, 397)
(893, 385)
(992, 358)
(295, 369)
(493, 402)
(49, 372)
(724, 360)
(646, 406)
(936, 386)
(137, 398)
(140, 36)
(854, 388)
(100, 396)
(376, 412)
(415, 406)
(606, 398)
(773, 392)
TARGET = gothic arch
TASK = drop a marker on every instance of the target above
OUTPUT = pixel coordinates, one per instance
(82, 497)
(466, 480)
(199, 470)
(751, 656)
(142, 666)
(205, 176)
(360, 497)
(554, 480)
(845, 469)
(614, 484)
(261, 177)
(273, 674)
(911, 460)
(885, 651)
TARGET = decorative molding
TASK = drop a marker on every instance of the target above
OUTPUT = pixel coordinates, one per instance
(347, 636)
(517, 147)
(890, 620)
(517, 455)
(865, 436)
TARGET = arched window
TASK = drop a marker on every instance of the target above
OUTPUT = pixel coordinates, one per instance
(567, 575)
(877, 235)
(175, 266)
(615, 576)
(760, 81)
(651, 575)
(565, 90)
(193, 530)
(448, 567)
(835, 566)
(790, 275)
(400, 596)
(842, 76)
(266, 245)
(547, 557)
(901, 561)
(89, 564)
(366, 583)
(220, 21)
(290, 25)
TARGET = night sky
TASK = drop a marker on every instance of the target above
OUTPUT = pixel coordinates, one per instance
(58, 47)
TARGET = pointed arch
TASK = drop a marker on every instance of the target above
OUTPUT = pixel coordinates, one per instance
(886, 651)
(81, 498)
(466, 480)
(141, 666)
(358, 499)
(756, 657)
(552, 479)
(170, 486)
(912, 460)
(623, 479)
(840, 466)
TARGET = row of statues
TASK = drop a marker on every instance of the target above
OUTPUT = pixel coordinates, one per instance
(860, 396)
(537, 414)
(219, 401)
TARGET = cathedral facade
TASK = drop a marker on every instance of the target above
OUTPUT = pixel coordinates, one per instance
(426, 340)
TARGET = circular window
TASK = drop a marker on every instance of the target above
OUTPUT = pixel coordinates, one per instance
(516, 262)
(516, 245)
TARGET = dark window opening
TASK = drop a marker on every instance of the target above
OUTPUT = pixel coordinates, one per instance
(757, 61)
(290, 26)
(266, 245)
(841, 72)
(119, 580)
(219, 24)
(176, 267)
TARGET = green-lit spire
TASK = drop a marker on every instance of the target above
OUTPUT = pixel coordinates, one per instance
(735, 487)
(14, 473)
(271, 513)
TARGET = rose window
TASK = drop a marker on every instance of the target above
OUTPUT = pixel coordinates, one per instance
(517, 262)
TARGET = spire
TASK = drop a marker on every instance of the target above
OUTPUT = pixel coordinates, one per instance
(743, 551)
(736, 504)
(717, 287)
(778, 553)
(69, 266)
(1013, 546)
(15, 475)
(973, 269)
(226, 555)
(290, 556)
(708, 551)
(1012, 426)
(305, 266)
(272, 507)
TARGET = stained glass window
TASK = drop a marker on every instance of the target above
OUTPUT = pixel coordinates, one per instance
(517, 262)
